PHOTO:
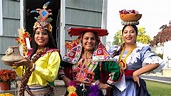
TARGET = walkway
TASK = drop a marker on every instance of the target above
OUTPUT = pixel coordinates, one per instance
(157, 79)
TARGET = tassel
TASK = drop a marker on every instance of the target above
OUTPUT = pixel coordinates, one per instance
(71, 89)
(95, 90)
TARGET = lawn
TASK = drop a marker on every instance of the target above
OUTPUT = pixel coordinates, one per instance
(158, 89)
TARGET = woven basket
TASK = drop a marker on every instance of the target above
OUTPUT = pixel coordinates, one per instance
(130, 17)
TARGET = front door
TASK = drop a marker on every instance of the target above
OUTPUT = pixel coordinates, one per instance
(54, 5)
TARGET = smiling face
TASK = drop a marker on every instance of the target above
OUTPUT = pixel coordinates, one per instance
(41, 38)
(89, 41)
(129, 35)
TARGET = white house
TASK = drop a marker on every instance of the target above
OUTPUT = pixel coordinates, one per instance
(15, 14)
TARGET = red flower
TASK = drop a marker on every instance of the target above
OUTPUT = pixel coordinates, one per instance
(25, 35)
(7, 75)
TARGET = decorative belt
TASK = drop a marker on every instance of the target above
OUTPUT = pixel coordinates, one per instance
(128, 72)
(39, 90)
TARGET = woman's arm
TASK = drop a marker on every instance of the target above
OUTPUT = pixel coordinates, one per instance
(150, 61)
(65, 72)
(66, 80)
(144, 69)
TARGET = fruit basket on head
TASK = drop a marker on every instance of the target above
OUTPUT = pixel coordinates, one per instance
(130, 17)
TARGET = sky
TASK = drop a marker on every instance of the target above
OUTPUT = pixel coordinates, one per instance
(155, 13)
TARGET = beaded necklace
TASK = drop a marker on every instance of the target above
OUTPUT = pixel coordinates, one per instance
(122, 62)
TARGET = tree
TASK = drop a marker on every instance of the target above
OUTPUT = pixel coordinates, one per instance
(118, 38)
(141, 38)
(163, 36)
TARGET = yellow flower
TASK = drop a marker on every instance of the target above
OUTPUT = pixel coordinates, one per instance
(6, 94)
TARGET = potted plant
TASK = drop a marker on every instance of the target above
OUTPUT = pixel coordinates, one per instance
(6, 77)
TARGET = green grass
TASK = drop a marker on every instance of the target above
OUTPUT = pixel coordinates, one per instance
(158, 89)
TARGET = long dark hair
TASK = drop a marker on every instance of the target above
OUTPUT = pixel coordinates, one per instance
(51, 44)
(122, 45)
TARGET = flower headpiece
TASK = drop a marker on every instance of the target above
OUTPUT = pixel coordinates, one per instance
(23, 40)
(130, 17)
(43, 20)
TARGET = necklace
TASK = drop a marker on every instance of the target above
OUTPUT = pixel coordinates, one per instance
(82, 66)
(122, 62)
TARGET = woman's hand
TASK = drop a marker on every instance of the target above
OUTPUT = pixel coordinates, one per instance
(66, 80)
(103, 86)
(144, 69)
(24, 62)
(136, 77)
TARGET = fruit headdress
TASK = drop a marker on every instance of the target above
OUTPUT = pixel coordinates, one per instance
(130, 17)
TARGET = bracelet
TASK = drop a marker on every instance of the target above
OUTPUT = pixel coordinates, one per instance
(33, 67)
(108, 85)
(14, 67)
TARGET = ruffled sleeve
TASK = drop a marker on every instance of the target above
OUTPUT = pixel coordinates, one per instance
(150, 58)
(113, 49)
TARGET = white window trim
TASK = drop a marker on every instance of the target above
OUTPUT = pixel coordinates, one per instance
(62, 28)
(1, 19)
(104, 20)
(22, 13)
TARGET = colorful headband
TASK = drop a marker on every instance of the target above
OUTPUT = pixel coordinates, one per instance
(43, 20)
(130, 17)
(79, 31)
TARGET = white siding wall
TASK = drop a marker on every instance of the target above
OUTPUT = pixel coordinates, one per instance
(79, 13)
(167, 54)
(9, 23)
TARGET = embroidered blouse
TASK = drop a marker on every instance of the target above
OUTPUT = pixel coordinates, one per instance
(90, 71)
(140, 56)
